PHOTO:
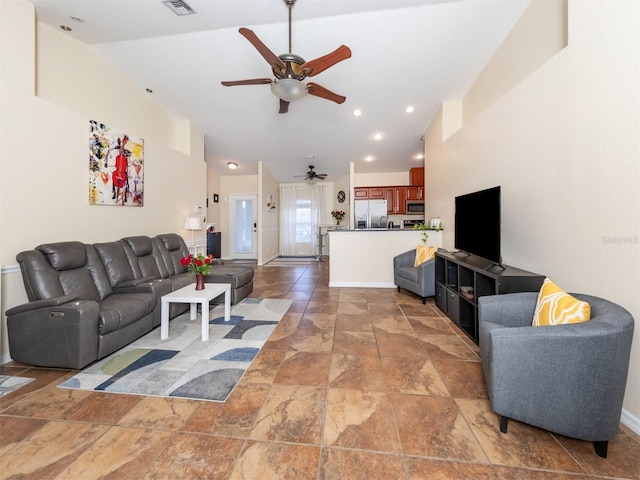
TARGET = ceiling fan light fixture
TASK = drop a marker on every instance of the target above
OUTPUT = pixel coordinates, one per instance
(311, 181)
(288, 89)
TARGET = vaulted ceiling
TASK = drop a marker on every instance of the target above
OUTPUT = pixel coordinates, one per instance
(404, 53)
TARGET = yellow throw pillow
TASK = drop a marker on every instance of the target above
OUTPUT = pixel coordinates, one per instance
(556, 307)
(424, 254)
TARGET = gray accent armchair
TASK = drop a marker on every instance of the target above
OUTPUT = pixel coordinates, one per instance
(420, 280)
(567, 379)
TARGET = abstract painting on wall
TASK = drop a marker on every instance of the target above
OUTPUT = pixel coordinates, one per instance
(116, 167)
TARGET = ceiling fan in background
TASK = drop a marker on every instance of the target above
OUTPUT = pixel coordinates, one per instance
(290, 70)
(311, 176)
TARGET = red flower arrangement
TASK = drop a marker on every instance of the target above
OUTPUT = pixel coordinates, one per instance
(338, 215)
(198, 263)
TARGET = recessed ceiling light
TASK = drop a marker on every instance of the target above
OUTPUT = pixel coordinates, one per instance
(148, 90)
(378, 136)
(369, 158)
(357, 112)
(419, 156)
(77, 19)
(232, 165)
(409, 109)
(65, 28)
(310, 156)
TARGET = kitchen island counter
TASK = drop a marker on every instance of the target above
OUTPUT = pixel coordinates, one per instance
(364, 257)
(429, 230)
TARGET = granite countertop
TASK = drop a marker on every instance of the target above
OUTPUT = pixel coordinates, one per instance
(385, 230)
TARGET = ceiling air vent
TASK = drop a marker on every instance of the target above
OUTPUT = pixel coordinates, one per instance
(179, 7)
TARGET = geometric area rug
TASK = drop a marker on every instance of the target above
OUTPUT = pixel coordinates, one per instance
(183, 365)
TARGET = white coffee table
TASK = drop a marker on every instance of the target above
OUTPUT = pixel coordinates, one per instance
(189, 294)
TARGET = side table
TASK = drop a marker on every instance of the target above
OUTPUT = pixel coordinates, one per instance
(189, 294)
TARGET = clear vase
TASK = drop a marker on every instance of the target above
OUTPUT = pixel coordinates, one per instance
(199, 281)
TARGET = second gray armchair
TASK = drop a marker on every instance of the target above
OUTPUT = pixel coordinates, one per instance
(420, 280)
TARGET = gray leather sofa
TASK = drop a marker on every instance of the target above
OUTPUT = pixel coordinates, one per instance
(173, 248)
(420, 280)
(567, 379)
(87, 301)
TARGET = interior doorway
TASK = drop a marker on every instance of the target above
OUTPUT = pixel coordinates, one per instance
(243, 222)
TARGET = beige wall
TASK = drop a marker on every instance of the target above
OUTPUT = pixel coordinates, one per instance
(341, 184)
(382, 179)
(546, 21)
(213, 187)
(268, 220)
(44, 148)
(563, 144)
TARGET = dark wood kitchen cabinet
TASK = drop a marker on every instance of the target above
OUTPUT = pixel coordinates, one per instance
(416, 176)
(415, 193)
(368, 193)
(400, 201)
(361, 193)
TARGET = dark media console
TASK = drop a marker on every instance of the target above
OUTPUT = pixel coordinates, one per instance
(461, 280)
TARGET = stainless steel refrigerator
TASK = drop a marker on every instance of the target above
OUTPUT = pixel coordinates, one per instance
(371, 214)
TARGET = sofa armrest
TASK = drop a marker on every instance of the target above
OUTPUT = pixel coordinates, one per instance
(38, 304)
(64, 335)
(427, 272)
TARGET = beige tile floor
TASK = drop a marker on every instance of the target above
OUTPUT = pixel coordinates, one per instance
(352, 384)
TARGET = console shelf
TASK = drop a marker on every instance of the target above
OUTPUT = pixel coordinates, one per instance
(461, 279)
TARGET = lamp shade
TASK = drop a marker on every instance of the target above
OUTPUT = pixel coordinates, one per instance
(192, 223)
(288, 89)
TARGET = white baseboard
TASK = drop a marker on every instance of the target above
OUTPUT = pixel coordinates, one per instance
(630, 421)
(362, 284)
(267, 260)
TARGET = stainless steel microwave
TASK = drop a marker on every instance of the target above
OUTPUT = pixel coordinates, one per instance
(415, 207)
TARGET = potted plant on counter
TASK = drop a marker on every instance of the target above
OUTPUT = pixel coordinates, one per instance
(423, 228)
(338, 215)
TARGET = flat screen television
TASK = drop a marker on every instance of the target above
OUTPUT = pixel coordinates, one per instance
(477, 224)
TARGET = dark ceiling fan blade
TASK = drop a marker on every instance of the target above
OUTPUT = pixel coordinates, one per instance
(253, 81)
(284, 106)
(321, 176)
(271, 58)
(318, 91)
(314, 67)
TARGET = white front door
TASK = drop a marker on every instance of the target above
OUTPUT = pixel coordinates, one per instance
(243, 223)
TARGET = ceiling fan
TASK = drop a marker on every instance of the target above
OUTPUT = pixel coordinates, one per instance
(290, 70)
(311, 176)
